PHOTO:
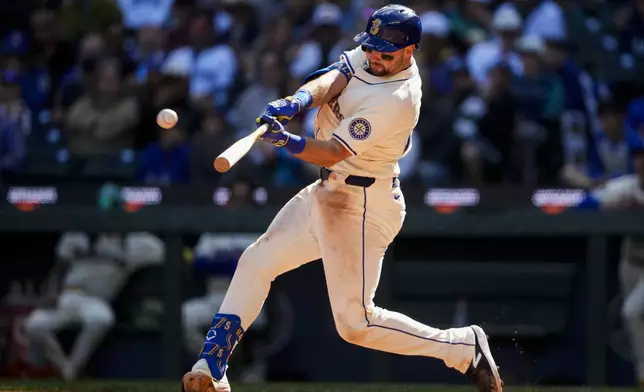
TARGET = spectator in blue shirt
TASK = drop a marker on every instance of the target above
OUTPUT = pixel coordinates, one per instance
(582, 91)
(34, 80)
(436, 53)
(539, 91)
(579, 120)
(15, 124)
(611, 156)
(167, 161)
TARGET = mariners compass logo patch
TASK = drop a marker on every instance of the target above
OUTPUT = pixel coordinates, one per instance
(359, 129)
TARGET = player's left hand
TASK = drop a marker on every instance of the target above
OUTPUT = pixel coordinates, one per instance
(286, 108)
(276, 134)
(283, 109)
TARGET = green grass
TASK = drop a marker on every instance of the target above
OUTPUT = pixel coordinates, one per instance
(155, 386)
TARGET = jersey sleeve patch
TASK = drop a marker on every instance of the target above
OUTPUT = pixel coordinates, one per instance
(359, 129)
(343, 68)
(345, 58)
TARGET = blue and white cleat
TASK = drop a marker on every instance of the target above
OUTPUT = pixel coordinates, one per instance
(199, 379)
(483, 371)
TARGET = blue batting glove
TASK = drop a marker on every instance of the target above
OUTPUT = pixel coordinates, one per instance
(286, 108)
(279, 137)
(276, 134)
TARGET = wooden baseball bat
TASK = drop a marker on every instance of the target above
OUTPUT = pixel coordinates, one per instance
(234, 153)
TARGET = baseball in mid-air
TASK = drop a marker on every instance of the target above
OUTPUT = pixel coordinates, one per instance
(167, 118)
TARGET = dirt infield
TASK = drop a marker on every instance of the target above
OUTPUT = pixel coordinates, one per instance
(154, 386)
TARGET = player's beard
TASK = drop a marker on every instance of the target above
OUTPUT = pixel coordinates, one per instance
(383, 70)
(380, 70)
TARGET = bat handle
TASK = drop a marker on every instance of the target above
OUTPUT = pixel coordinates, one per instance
(260, 131)
(235, 152)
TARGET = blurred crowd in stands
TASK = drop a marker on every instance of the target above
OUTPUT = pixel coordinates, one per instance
(525, 92)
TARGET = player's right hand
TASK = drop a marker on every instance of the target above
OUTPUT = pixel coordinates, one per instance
(279, 137)
(276, 134)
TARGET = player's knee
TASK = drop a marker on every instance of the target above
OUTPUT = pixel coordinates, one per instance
(352, 324)
(37, 324)
(352, 333)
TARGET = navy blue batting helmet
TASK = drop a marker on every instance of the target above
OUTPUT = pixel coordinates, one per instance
(391, 28)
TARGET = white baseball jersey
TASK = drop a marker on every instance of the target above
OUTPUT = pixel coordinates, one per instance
(373, 118)
(618, 192)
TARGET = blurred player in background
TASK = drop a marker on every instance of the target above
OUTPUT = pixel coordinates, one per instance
(216, 257)
(627, 193)
(96, 273)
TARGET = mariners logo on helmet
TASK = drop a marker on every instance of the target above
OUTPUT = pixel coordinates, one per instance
(375, 26)
(359, 129)
(391, 28)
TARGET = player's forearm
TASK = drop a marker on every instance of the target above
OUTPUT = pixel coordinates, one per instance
(326, 87)
(323, 153)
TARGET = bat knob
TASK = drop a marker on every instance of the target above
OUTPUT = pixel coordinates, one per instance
(222, 164)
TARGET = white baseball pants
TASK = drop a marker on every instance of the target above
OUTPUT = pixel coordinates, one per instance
(350, 228)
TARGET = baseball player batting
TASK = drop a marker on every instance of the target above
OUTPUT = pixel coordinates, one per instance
(369, 104)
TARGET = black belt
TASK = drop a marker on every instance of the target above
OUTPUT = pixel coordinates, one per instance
(364, 182)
